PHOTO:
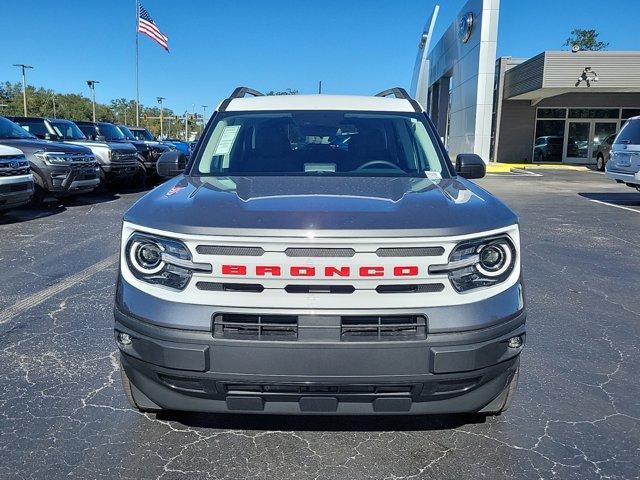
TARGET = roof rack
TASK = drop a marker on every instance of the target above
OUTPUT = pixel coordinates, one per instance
(397, 92)
(242, 92)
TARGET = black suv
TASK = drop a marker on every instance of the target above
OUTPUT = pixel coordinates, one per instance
(148, 151)
(58, 169)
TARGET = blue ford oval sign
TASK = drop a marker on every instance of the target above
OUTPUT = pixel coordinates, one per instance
(465, 27)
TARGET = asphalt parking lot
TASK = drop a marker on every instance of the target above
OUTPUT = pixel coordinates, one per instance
(576, 414)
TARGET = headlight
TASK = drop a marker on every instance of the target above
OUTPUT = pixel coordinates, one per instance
(161, 261)
(479, 263)
(53, 158)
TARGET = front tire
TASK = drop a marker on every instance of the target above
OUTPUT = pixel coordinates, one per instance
(600, 163)
(38, 191)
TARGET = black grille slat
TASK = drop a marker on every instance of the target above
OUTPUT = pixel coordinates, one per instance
(230, 250)
(410, 252)
(411, 288)
(334, 289)
(383, 328)
(320, 252)
(317, 389)
(229, 287)
(256, 327)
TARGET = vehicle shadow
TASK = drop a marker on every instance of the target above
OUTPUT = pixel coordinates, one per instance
(631, 199)
(24, 214)
(324, 423)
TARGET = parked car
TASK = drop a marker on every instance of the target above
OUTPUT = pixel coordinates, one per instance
(180, 145)
(116, 159)
(148, 151)
(16, 181)
(603, 152)
(624, 163)
(548, 149)
(374, 279)
(58, 169)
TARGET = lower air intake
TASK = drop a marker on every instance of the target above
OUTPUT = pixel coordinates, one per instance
(255, 327)
(383, 328)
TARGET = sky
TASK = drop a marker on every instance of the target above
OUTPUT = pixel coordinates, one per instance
(354, 47)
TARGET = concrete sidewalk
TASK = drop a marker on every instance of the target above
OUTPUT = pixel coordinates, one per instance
(495, 167)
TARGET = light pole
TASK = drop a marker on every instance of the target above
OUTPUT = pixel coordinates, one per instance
(92, 86)
(53, 97)
(186, 125)
(204, 113)
(160, 99)
(24, 84)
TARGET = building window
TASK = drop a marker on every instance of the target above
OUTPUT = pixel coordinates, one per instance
(630, 112)
(549, 141)
(594, 113)
(552, 113)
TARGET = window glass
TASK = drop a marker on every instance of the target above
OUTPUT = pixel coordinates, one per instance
(629, 134)
(320, 143)
(8, 129)
(594, 112)
(127, 133)
(111, 132)
(549, 141)
(552, 113)
(67, 130)
(35, 127)
(88, 130)
(630, 112)
(142, 134)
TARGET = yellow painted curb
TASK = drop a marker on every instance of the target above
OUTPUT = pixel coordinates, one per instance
(494, 167)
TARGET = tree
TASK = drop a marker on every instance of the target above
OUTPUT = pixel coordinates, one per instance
(585, 40)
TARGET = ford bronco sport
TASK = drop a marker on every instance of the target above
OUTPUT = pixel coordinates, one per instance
(320, 255)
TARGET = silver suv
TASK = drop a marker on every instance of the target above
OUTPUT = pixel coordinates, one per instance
(624, 165)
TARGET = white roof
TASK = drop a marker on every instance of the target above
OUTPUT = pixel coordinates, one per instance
(5, 150)
(320, 102)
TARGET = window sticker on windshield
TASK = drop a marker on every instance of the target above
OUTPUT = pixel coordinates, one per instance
(227, 140)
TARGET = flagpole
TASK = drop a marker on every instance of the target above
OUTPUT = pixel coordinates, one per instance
(137, 73)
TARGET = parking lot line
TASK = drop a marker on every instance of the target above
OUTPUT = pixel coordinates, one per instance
(43, 295)
(614, 205)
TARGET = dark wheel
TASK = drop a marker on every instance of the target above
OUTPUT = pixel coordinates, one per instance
(38, 191)
(540, 157)
(600, 162)
(140, 178)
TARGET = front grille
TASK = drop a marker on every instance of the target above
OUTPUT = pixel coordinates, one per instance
(231, 251)
(126, 157)
(410, 252)
(385, 328)
(13, 165)
(319, 288)
(320, 252)
(255, 327)
(315, 389)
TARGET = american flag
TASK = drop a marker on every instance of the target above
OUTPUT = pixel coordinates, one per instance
(147, 26)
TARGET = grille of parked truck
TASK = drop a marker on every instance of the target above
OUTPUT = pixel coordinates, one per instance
(58, 169)
(320, 255)
(16, 181)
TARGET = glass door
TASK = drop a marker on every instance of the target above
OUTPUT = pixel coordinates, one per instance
(601, 130)
(577, 141)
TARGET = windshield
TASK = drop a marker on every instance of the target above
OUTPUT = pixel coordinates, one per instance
(67, 130)
(110, 132)
(8, 129)
(126, 132)
(320, 143)
(143, 134)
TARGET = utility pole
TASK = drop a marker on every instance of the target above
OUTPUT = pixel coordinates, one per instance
(92, 86)
(160, 99)
(204, 113)
(24, 84)
(53, 97)
(186, 124)
(320, 86)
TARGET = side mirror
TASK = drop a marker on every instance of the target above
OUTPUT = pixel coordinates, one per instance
(171, 164)
(100, 138)
(49, 136)
(470, 165)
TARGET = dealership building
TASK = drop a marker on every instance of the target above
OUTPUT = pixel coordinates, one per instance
(558, 106)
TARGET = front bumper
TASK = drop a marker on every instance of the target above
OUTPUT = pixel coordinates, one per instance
(15, 191)
(62, 180)
(446, 372)
(114, 171)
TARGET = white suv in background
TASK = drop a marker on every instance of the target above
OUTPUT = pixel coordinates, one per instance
(16, 181)
(624, 165)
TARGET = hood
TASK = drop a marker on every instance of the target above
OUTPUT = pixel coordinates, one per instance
(9, 151)
(221, 205)
(31, 145)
